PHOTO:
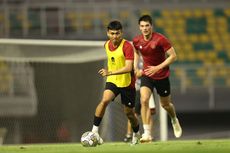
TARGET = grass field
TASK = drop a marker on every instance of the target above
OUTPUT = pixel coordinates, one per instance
(186, 146)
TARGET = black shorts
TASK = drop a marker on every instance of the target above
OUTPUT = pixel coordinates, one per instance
(127, 94)
(162, 86)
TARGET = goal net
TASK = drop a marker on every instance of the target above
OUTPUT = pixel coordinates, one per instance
(49, 90)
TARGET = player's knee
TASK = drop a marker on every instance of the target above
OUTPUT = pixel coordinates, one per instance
(130, 115)
(144, 102)
(104, 103)
(165, 105)
(132, 118)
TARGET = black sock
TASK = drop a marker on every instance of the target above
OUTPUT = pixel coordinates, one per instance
(135, 129)
(97, 120)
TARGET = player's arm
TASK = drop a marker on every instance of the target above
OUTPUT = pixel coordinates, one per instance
(126, 69)
(136, 59)
(137, 71)
(171, 57)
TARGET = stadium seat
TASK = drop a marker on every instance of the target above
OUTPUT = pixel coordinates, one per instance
(34, 20)
(219, 12)
(15, 21)
(156, 14)
(71, 22)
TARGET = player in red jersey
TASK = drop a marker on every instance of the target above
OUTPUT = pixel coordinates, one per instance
(157, 53)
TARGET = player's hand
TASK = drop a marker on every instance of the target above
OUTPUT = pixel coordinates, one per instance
(103, 72)
(151, 70)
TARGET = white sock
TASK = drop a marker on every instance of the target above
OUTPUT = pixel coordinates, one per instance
(174, 119)
(128, 135)
(146, 128)
(95, 129)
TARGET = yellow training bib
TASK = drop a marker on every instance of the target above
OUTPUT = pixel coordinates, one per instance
(116, 60)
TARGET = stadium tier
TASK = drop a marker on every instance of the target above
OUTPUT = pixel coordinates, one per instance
(200, 36)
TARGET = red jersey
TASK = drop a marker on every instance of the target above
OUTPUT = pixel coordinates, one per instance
(129, 55)
(153, 52)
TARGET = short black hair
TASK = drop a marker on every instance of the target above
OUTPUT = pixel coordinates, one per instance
(146, 18)
(114, 25)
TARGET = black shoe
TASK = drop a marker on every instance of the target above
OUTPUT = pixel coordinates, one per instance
(127, 139)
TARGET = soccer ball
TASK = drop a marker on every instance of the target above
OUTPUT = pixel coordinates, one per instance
(89, 139)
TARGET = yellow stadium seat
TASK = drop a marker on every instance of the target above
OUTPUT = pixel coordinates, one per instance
(124, 14)
(202, 72)
(215, 37)
(211, 30)
(169, 22)
(166, 13)
(228, 82)
(212, 55)
(191, 56)
(181, 55)
(180, 22)
(204, 38)
(223, 72)
(208, 12)
(218, 46)
(219, 62)
(169, 31)
(188, 47)
(201, 55)
(188, 13)
(176, 13)
(178, 31)
(198, 13)
(225, 37)
(193, 38)
(227, 12)
(159, 22)
(145, 11)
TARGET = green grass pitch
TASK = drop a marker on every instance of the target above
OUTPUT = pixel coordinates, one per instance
(182, 146)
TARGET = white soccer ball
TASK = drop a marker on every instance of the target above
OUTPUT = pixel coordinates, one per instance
(89, 139)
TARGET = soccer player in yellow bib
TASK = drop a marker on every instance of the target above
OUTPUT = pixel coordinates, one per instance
(120, 56)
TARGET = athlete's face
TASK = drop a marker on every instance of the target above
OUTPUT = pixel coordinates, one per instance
(115, 36)
(145, 28)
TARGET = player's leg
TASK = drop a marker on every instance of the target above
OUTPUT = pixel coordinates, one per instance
(145, 96)
(133, 122)
(128, 100)
(152, 111)
(163, 89)
(145, 91)
(169, 107)
(108, 95)
(128, 136)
